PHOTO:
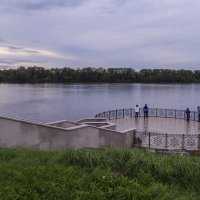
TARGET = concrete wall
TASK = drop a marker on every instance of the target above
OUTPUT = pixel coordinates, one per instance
(19, 133)
(112, 138)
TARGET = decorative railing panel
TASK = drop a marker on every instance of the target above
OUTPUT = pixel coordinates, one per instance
(175, 141)
(120, 114)
(161, 112)
(191, 142)
(166, 141)
(152, 112)
(127, 112)
(180, 114)
(159, 140)
(141, 139)
(196, 116)
(192, 116)
(170, 113)
(113, 114)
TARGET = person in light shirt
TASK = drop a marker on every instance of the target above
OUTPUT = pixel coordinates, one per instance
(137, 111)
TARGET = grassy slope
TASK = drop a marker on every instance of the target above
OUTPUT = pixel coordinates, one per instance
(97, 174)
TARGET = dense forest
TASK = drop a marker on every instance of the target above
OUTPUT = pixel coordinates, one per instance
(97, 75)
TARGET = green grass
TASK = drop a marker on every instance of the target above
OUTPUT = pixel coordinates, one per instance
(113, 173)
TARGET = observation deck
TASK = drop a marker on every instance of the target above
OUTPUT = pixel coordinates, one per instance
(164, 128)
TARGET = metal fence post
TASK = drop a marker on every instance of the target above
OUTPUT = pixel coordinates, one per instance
(134, 133)
(166, 142)
(149, 139)
(131, 114)
(123, 113)
(183, 141)
(198, 142)
(116, 114)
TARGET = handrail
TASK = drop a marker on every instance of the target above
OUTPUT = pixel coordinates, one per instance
(153, 112)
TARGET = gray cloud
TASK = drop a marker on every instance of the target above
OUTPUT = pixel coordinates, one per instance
(22, 49)
(19, 49)
(103, 33)
(18, 61)
(40, 4)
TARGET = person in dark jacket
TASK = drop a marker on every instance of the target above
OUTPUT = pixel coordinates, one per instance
(198, 112)
(188, 114)
(146, 111)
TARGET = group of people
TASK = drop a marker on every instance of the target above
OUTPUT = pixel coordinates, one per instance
(188, 112)
(146, 112)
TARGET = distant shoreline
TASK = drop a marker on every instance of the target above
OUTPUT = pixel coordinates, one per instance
(98, 75)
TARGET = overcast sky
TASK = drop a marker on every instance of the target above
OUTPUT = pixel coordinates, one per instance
(100, 33)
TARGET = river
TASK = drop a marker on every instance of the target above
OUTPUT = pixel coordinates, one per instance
(52, 102)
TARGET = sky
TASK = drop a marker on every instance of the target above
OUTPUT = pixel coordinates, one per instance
(100, 33)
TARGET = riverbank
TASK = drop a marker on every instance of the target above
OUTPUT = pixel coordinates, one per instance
(114, 173)
(97, 75)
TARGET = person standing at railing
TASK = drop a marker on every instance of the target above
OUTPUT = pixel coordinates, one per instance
(137, 111)
(188, 114)
(198, 111)
(146, 111)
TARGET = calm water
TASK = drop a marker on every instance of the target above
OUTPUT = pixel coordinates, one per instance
(52, 102)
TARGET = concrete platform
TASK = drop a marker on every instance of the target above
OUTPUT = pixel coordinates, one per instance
(158, 125)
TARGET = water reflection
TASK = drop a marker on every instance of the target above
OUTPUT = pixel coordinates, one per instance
(146, 124)
(188, 127)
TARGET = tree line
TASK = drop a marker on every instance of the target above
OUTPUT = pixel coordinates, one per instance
(97, 75)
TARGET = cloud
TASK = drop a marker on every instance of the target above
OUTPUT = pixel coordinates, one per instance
(102, 33)
(14, 62)
(14, 50)
(36, 5)
(13, 56)
(22, 51)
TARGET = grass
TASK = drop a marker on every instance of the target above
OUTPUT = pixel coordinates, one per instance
(113, 173)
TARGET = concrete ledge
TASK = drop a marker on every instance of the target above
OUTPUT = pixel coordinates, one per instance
(128, 130)
(77, 127)
(63, 124)
(30, 122)
(92, 119)
(61, 121)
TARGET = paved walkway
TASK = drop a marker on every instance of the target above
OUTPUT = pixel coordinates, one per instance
(158, 125)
